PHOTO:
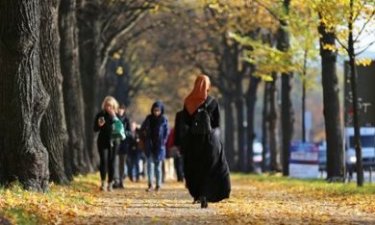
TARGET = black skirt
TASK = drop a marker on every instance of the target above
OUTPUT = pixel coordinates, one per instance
(205, 166)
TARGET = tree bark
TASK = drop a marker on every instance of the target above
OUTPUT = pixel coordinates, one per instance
(251, 101)
(72, 89)
(23, 99)
(304, 96)
(273, 134)
(287, 114)
(229, 133)
(353, 86)
(265, 124)
(331, 103)
(243, 157)
(53, 127)
(89, 49)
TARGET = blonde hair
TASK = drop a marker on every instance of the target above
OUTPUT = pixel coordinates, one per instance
(112, 101)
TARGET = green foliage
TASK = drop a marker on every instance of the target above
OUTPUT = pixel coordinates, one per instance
(335, 15)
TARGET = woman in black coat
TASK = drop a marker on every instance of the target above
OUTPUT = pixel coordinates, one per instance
(107, 143)
(205, 166)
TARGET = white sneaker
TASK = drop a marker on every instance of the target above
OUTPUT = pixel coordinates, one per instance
(110, 186)
(103, 186)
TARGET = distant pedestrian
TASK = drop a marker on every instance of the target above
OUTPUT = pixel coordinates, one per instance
(174, 151)
(134, 153)
(122, 150)
(155, 130)
(205, 166)
(111, 132)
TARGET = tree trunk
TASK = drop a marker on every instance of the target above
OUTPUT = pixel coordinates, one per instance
(23, 99)
(272, 126)
(287, 120)
(53, 127)
(353, 85)
(331, 102)
(304, 96)
(243, 157)
(265, 112)
(251, 101)
(229, 133)
(72, 89)
(89, 49)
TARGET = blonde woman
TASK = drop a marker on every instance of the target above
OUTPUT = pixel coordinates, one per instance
(107, 142)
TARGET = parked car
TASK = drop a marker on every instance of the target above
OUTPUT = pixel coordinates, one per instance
(258, 150)
(368, 148)
(322, 156)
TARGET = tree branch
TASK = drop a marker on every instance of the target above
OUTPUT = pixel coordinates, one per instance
(112, 41)
(364, 26)
(342, 44)
(364, 49)
(273, 14)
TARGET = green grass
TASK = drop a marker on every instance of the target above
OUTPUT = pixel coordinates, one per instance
(309, 184)
(20, 216)
(23, 207)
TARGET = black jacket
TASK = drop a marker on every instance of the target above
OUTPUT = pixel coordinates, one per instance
(124, 146)
(180, 129)
(104, 138)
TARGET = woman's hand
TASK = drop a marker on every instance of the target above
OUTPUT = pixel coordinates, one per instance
(101, 121)
(112, 112)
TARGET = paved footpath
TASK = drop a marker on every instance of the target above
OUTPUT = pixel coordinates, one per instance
(251, 202)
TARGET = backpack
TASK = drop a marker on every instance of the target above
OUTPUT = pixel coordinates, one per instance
(201, 123)
(118, 131)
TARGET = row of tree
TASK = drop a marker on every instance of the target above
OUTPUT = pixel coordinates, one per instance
(52, 61)
(242, 44)
(59, 58)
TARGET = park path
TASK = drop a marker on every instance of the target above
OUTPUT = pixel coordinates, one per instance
(251, 202)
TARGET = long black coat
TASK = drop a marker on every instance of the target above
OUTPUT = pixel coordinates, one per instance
(205, 166)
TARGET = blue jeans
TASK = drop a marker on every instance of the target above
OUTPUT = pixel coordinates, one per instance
(154, 168)
(133, 167)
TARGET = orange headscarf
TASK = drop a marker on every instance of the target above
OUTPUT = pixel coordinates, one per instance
(198, 95)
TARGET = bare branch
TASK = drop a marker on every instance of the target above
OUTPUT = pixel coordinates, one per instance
(112, 41)
(364, 26)
(141, 31)
(364, 49)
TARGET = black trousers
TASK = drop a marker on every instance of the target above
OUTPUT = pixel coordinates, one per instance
(107, 161)
(179, 167)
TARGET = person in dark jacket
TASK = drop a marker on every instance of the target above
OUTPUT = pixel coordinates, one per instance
(106, 143)
(122, 152)
(134, 153)
(179, 134)
(205, 166)
(155, 129)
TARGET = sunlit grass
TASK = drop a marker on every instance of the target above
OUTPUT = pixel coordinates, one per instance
(62, 203)
(26, 207)
(307, 185)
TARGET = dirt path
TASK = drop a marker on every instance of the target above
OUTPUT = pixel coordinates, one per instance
(250, 203)
(133, 205)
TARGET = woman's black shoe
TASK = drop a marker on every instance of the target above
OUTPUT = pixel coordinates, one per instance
(204, 203)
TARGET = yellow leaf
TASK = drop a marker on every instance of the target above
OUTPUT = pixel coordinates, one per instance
(119, 71)
(363, 62)
(116, 55)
